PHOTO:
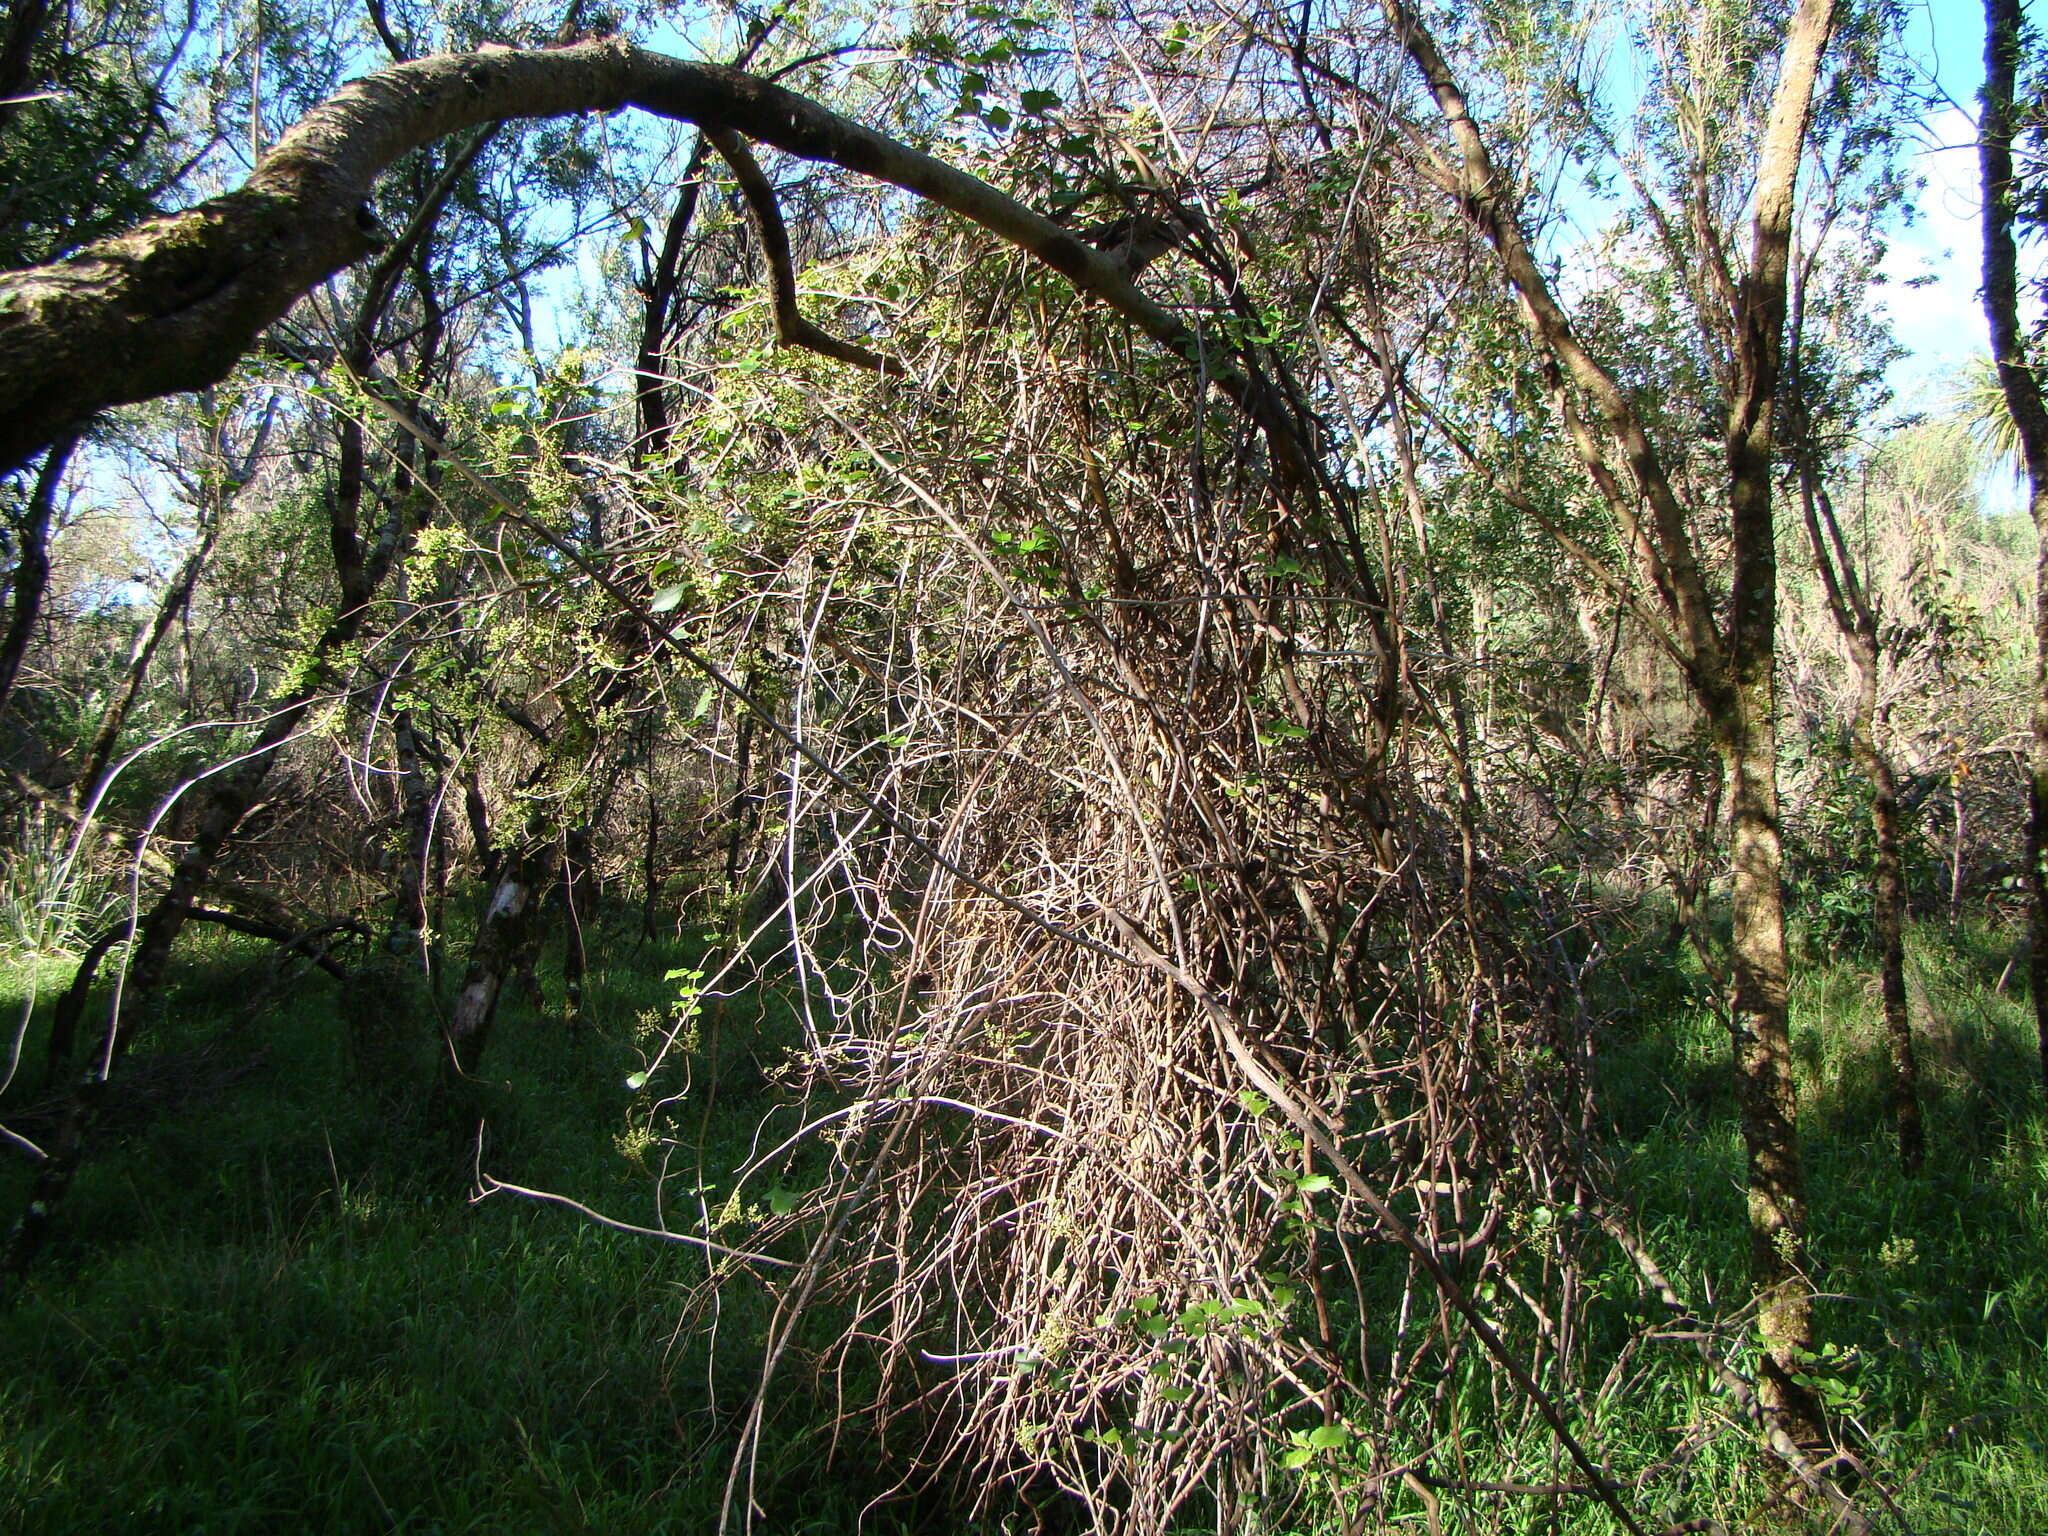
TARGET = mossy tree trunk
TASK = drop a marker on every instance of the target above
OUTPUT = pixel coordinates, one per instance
(1730, 663)
(2005, 40)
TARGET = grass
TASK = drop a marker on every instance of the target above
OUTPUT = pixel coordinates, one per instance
(1937, 1286)
(273, 1305)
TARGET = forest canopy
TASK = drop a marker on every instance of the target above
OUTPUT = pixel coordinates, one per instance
(1244, 764)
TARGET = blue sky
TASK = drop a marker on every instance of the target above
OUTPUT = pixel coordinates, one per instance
(1942, 322)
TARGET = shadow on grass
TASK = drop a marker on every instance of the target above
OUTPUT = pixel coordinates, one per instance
(1938, 1286)
(272, 1305)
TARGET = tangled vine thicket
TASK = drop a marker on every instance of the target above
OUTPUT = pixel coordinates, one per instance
(1158, 710)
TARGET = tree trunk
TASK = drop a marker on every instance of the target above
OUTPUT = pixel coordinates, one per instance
(1858, 622)
(26, 20)
(2037, 783)
(1888, 893)
(494, 956)
(63, 1039)
(575, 952)
(651, 869)
(416, 806)
(1765, 1085)
(2021, 384)
(740, 816)
(31, 567)
(650, 383)
(227, 799)
(1762, 967)
(1731, 670)
(99, 754)
(174, 303)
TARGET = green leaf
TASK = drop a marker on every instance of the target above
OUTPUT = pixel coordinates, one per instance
(1035, 102)
(1274, 732)
(782, 1201)
(665, 600)
(637, 1081)
(1328, 1437)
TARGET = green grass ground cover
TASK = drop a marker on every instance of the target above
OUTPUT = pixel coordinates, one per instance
(1935, 1288)
(273, 1305)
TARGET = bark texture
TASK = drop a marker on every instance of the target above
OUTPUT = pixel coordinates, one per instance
(495, 955)
(2003, 21)
(1730, 665)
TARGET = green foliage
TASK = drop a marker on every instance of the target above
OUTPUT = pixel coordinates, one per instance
(1830, 847)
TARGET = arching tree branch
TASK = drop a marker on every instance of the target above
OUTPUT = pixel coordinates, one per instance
(172, 304)
(791, 328)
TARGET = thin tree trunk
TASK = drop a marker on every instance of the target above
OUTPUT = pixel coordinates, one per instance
(494, 956)
(1888, 890)
(650, 384)
(2021, 384)
(416, 805)
(1955, 853)
(478, 814)
(575, 954)
(55, 1173)
(1857, 621)
(2037, 785)
(651, 868)
(741, 815)
(31, 566)
(99, 753)
(71, 1006)
(658, 293)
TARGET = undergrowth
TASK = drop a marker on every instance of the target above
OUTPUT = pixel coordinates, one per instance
(274, 1303)
(275, 1306)
(1934, 1289)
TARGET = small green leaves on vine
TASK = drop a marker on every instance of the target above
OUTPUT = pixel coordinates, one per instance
(1309, 1443)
